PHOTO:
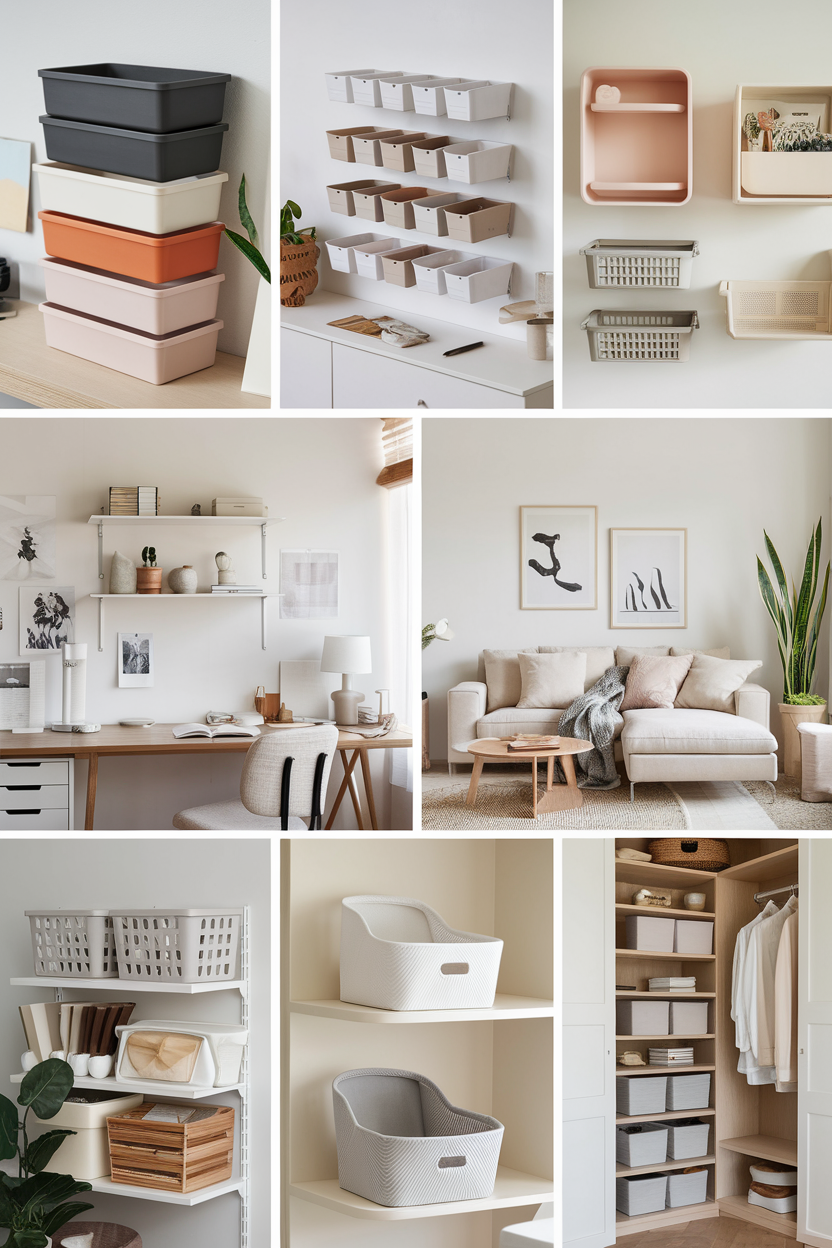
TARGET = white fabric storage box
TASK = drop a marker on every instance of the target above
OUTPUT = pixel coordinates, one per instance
(653, 263)
(688, 1091)
(642, 1018)
(366, 88)
(217, 1063)
(642, 1095)
(686, 1140)
(693, 936)
(643, 1194)
(85, 1155)
(368, 257)
(339, 83)
(782, 1177)
(177, 946)
(429, 98)
(401, 1142)
(367, 200)
(429, 156)
(646, 932)
(135, 204)
(477, 161)
(367, 147)
(670, 1055)
(429, 214)
(398, 954)
(160, 309)
(397, 92)
(641, 1144)
(686, 1189)
(688, 1018)
(475, 280)
(474, 101)
(777, 1204)
(429, 271)
(77, 943)
(340, 195)
(342, 250)
(340, 141)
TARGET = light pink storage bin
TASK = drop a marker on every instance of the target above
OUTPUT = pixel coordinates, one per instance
(157, 360)
(163, 309)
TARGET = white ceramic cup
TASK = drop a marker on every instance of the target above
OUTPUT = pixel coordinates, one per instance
(28, 1060)
(58, 1054)
(100, 1066)
(80, 1064)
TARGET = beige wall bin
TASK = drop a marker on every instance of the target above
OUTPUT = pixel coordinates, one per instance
(478, 161)
(340, 141)
(398, 205)
(398, 267)
(339, 84)
(779, 309)
(367, 147)
(369, 257)
(397, 153)
(397, 93)
(340, 195)
(475, 101)
(429, 270)
(473, 220)
(429, 213)
(367, 89)
(367, 200)
(429, 157)
(342, 250)
(429, 98)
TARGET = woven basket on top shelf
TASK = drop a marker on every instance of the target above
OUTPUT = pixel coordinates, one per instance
(703, 855)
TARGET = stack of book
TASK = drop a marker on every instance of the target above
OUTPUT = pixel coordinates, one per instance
(529, 742)
(236, 589)
(670, 1057)
(74, 1026)
(134, 500)
(673, 984)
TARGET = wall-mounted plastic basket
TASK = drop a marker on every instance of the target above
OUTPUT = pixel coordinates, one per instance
(397, 92)
(367, 146)
(369, 257)
(366, 88)
(397, 205)
(653, 263)
(73, 943)
(340, 141)
(429, 271)
(475, 101)
(397, 153)
(177, 946)
(165, 309)
(342, 250)
(658, 337)
(401, 1142)
(473, 220)
(157, 157)
(477, 161)
(429, 213)
(428, 156)
(340, 197)
(155, 207)
(367, 200)
(778, 309)
(146, 356)
(136, 97)
(397, 953)
(339, 83)
(398, 265)
(429, 98)
(475, 280)
(153, 258)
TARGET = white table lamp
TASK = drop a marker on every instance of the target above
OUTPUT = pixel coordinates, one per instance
(349, 656)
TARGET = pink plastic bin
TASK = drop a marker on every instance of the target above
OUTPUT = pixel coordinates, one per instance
(146, 356)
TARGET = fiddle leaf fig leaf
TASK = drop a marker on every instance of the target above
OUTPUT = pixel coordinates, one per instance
(46, 1086)
(41, 1151)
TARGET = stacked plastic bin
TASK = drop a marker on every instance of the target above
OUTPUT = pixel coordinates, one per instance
(131, 197)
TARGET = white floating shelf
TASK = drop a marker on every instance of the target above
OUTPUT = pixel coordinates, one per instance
(110, 1084)
(168, 1198)
(504, 1007)
(127, 986)
(213, 521)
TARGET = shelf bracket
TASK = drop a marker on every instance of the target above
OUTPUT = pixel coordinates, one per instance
(263, 553)
(100, 625)
(59, 994)
(100, 552)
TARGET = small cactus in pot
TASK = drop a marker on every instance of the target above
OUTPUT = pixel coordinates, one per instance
(149, 556)
(149, 577)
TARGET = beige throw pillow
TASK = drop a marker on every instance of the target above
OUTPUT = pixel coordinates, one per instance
(551, 680)
(711, 683)
(502, 677)
(722, 652)
(624, 655)
(598, 659)
(654, 681)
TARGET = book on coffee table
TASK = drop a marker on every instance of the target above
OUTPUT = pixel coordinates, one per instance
(531, 741)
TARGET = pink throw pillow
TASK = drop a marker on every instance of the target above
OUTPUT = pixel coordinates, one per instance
(654, 681)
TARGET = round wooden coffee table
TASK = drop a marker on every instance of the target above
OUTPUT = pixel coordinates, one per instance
(555, 796)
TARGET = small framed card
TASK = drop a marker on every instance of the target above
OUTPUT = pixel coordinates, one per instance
(135, 661)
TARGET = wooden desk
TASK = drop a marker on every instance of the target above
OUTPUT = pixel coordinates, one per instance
(159, 739)
(38, 374)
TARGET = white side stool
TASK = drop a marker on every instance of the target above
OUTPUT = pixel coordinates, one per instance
(816, 762)
(541, 1230)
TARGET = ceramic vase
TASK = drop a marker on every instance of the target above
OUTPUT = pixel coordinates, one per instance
(790, 717)
(122, 575)
(183, 580)
(148, 580)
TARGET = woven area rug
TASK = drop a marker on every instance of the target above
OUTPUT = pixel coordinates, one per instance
(506, 805)
(787, 810)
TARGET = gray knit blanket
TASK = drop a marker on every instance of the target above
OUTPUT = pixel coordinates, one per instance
(594, 716)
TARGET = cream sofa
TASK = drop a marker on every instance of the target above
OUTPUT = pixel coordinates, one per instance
(674, 745)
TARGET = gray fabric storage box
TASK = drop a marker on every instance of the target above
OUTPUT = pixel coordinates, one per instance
(686, 1189)
(401, 1142)
(647, 932)
(645, 1194)
(688, 1018)
(641, 1144)
(693, 936)
(642, 1018)
(688, 1091)
(687, 1139)
(644, 1095)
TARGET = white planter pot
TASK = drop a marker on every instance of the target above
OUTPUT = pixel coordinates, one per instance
(257, 376)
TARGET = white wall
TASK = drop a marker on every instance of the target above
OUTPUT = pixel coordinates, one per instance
(318, 474)
(205, 35)
(101, 874)
(724, 480)
(481, 40)
(720, 45)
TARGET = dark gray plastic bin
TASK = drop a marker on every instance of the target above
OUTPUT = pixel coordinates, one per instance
(135, 97)
(156, 157)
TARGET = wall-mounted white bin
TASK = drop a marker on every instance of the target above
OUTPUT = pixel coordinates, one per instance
(368, 257)
(397, 206)
(366, 88)
(339, 84)
(177, 946)
(430, 271)
(474, 101)
(780, 177)
(472, 220)
(397, 153)
(477, 161)
(77, 943)
(397, 92)
(475, 280)
(429, 157)
(647, 336)
(340, 195)
(397, 953)
(653, 263)
(342, 250)
(429, 212)
(367, 147)
(340, 141)
(429, 98)
(787, 175)
(778, 309)
(367, 199)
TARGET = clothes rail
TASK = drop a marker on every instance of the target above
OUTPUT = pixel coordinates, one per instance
(786, 888)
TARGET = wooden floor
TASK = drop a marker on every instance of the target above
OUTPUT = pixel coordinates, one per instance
(708, 1233)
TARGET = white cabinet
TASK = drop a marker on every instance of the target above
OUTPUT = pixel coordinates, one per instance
(363, 380)
(305, 370)
(814, 1044)
(36, 795)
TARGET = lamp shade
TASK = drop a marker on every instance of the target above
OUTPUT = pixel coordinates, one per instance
(346, 654)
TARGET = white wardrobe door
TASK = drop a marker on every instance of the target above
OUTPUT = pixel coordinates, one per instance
(814, 1043)
(589, 1043)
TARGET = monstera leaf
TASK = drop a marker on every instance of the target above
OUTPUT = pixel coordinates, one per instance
(46, 1086)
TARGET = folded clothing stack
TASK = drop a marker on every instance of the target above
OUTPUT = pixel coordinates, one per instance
(670, 1057)
(672, 984)
(773, 1187)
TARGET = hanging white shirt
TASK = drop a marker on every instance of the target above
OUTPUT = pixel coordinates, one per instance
(738, 1010)
(785, 1008)
(758, 988)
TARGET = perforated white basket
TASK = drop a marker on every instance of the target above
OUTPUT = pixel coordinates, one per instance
(654, 263)
(778, 309)
(177, 946)
(77, 943)
(646, 336)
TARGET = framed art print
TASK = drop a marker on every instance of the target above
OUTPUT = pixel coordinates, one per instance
(47, 617)
(135, 661)
(308, 584)
(27, 537)
(558, 558)
(648, 578)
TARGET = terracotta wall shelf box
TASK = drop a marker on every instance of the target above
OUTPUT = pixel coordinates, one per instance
(780, 177)
(475, 101)
(366, 89)
(340, 141)
(473, 220)
(367, 199)
(787, 310)
(340, 195)
(429, 213)
(429, 98)
(397, 153)
(155, 207)
(477, 161)
(429, 271)
(398, 265)
(625, 334)
(164, 309)
(655, 263)
(369, 257)
(157, 157)
(429, 156)
(150, 358)
(636, 136)
(397, 92)
(475, 280)
(137, 97)
(367, 147)
(342, 250)
(397, 206)
(339, 84)
(153, 258)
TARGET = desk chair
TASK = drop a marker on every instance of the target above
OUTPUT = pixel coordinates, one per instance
(284, 777)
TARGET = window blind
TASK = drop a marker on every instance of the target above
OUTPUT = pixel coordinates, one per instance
(397, 444)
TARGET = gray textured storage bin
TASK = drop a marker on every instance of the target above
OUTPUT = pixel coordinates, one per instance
(641, 1144)
(693, 936)
(688, 1018)
(687, 1139)
(645, 1194)
(686, 1189)
(401, 1142)
(688, 1091)
(647, 932)
(645, 1095)
(642, 1018)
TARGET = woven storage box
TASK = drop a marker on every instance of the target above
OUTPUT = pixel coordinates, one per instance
(369, 257)
(171, 1156)
(641, 1144)
(157, 157)
(644, 931)
(76, 943)
(339, 83)
(429, 271)
(693, 936)
(429, 97)
(401, 1142)
(104, 1235)
(640, 1195)
(702, 855)
(644, 1095)
(429, 214)
(177, 946)
(474, 101)
(397, 153)
(473, 220)
(398, 954)
(86, 1154)
(138, 97)
(342, 250)
(651, 337)
(622, 262)
(687, 1140)
(688, 1018)
(157, 309)
(397, 93)
(429, 157)
(134, 204)
(152, 258)
(367, 200)
(340, 141)
(340, 198)
(642, 1018)
(397, 205)
(686, 1189)
(778, 309)
(688, 1091)
(477, 161)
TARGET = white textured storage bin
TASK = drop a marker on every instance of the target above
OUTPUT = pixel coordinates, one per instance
(688, 1091)
(135, 204)
(688, 1018)
(398, 954)
(477, 161)
(86, 1154)
(687, 1139)
(429, 98)
(401, 1142)
(777, 1204)
(652, 263)
(217, 1063)
(368, 257)
(686, 1189)
(177, 946)
(693, 936)
(429, 215)
(641, 1144)
(644, 1095)
(342, 250)
(778, 309)
(397, 92)
(76, 943)
(647, 932)
(475, 280)
(651, 337)
(474, 101)
(429, 271)
(366, 88)
(645, 1194)
(642, 1018)
(339, 83)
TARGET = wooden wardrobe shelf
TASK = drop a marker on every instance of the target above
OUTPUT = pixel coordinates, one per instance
(663, 912)
(679, 1035)
(667, 1116)
(769, 1147)
(784, 1224)
(631, 994)
(643, 1222)
(662, 1070)
(769, 867)
(672, 957)
(664, 1165)
(628, 871)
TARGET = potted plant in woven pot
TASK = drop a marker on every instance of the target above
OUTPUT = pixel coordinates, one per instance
(797, 620)
(298, 258)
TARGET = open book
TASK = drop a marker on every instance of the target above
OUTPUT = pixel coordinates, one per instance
(217, 730)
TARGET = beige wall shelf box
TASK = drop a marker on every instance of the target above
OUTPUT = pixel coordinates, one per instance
(367, 147)
(475, 220)
(340, 141)
(780, 177)
(340, 195)
(397, 207)
(785, 310)
(398, 266)
(397, 153)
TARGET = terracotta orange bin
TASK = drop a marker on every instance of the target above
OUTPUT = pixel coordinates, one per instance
(152, 258)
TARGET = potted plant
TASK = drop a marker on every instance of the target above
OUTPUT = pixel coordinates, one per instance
(149, 577)
(797, 642)
(35, 1203)
(257, 374)
(298, 257)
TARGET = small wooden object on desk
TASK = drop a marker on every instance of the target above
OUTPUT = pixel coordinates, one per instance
(171, 1156)
(284, 716)
(555, 797)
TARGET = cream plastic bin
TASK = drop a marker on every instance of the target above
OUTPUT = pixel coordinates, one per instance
(339, 83)
(366, 88)
(164, 309)
(429, 271)
(651, 337)
(177, 946)
(477, 161)
(693, 936)
(688, 1018)
(367, 146)
(397, 92)
(367, 200)
(429, 98)
(397, 206)
(135, 204)
(86, 1154)
(429, 214)
(642, 1018)
(342, 250)
(369, 257)
(474, 101)
(398, 266)
(340, 195)
(686, 1189)
(473, 220)
(787, 174)
(654, 263)
(340, 141)
(778, 309)
(217, 1064)
(475, 280)
(78, 943)
(154, 359)
(429, 157)
(397, 153)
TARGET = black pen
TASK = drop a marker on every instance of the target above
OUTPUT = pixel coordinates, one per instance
(459, 350)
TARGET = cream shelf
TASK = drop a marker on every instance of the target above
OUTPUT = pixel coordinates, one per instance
(505, 1006)
(677, 1035)
(671, 957)
(665, 1165)
(632, 994)
(663, 912)
(148, 1087)
(662, 1070)
(784, 1224)
(124, 985)
(167, 1198)
(769, 1147)
(637, 108)
(769, 867)
(667, 1116)
(201, 521)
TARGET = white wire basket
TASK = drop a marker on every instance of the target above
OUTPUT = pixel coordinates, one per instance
(655, 263)
(778, 309)
(659, 337)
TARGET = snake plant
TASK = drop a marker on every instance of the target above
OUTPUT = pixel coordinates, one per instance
(797, 629)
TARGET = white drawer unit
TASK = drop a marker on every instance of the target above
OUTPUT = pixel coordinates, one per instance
(305, 370)
(361, 379)
(35, 771)
(36, 794)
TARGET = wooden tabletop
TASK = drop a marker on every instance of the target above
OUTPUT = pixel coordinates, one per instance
(159, 739)
(494, 747)
(41, 375)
